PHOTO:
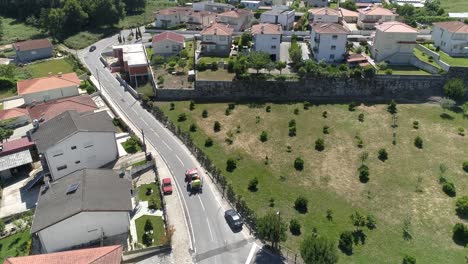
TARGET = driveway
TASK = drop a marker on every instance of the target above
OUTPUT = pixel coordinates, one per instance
(15, 201)
(284, 51)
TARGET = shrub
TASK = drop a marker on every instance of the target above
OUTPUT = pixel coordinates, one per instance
(193, 128)
(319, 144)
(298, 164)
(253, 185)
(460, 234)
(227, 112)
(383, 155)
(296, 111)
(292, 131)
(415, 124)
(449, 189)
(409, 260)
(182, 117)
(301, 204)
(455, 89)
(352, 106)
(461, 131)
(148, 225)
(324, 114)
(359, 142)
(325, 129)
(389, 71)
(160, 79)
(264, 136)
(208, 142)
(172, 106)
(292, 123)
(268, 109)
(204, 113)
(214, 66)
(418, 142)
(216, 126)
(461, 206)
(306, 105)
(295, 227)
(363, 173)
(192, 105)
(392, 107)
(465, 166)
(361, 117)
(371, 222)
(345, 243)
(231, 106)
(231, 165)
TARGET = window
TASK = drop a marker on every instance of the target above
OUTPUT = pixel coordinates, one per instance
(77, 162)
(222, 38)
(274, 38)
(63, 167)
(58, 154)
(333, 47)
(332, 56)
(273, 47)
(208, 37)
(73, 147)
(334, 37)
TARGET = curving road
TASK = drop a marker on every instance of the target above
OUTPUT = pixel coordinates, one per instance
(213, 240)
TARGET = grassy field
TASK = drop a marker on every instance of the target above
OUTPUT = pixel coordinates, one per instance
(455, 5)
(15, 245)
(158, 228)
(153, 198)
(146, 16)
(14, 30)
(452, 61)
(42, 69)
(405, 187)
(404, 70)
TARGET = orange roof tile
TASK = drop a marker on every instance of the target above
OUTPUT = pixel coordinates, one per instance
(33, 44)
(329, 28)
(376, 11)
(235, 13)
(168, 35)
(395, 27)
(101, 255)
(217, 29)
(348, 13)
(12, 113)
(325, 11)
(266, 28)
(47, 83)
(453, 26)
(51, 109)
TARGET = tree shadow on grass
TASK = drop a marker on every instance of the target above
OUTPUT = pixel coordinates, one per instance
(14, 242)
(359, 237)
(446, 116)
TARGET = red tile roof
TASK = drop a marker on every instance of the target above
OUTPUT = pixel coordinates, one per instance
(16, 145)
(266, 28)
(168, 35)
(51, 109)
(453, 26)
(218, 29)
(101, 255)
(395, 27)
(325, 11)
(348, 13)
(235, 13)
(47, 83)
(329, 28)
(33, 44)
(12, 113)
(376, 11)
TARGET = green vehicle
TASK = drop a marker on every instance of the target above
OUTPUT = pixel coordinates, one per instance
(196, 185)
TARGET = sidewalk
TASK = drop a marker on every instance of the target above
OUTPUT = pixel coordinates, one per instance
(181, 242)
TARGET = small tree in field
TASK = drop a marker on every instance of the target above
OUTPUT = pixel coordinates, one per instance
(465, 166)
(461, 206)
(298, 164)
(280, 65)
(216, 126)
(263, 136)
(192, 105)
(317, 249)
(295, 227)
(447, 104)
(346, 242)
(460, 234)
(231, 165)
(454, 89)
(392, 107)
(383, 155)
(208, 142)
(409, 260)
(319, 144)
(301, 204)
(205, 113)
(148, 226)
(418, 142)
(253, 185)
(272, 228)
(193, 128)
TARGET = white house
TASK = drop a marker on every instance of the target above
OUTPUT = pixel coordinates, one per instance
(283, 17)
(212, 6)
(237, 19)
(168, 43)
(317, 3)
(393, 42)
(48, 88)
(82, 208)
(324, 15)
(267, 38)
(328, 41)
(369, 16)
(250, 4)
(216, 40)
(72, 141)
(451, 37)
(192, 19)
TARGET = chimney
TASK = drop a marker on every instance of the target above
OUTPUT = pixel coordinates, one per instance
(215, 31)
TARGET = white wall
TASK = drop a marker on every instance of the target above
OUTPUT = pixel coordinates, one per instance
(167, 47)
(93, 150)
(268, 43)
(266, 18)
(199, 6)
(450, 43)
(51, 94)
(286, 19)
(325, 44)
(170, 20)
(387, 44)
(83, 228)
(325, 18)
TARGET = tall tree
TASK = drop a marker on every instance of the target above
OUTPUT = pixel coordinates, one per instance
(75, 17)
(349, 4)
(107, 12)
(318, 250)
(272, 228)
(5, 133)
(259, 60)
(455, 89)
(52, 20)
(134, 5)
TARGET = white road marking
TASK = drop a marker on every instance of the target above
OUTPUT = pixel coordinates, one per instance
(178, 158)
(164, 142)
(144, 122)
(201, 203)
(209, 228)
(134, 111)
(251, 253)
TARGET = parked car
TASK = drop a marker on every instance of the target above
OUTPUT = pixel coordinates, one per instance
(167, 186)
(233, 219)
(92, 48)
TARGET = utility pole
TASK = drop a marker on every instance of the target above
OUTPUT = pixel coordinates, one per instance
(144, 144)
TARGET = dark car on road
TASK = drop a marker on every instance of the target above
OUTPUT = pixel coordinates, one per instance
(92, 48)
(233, 219)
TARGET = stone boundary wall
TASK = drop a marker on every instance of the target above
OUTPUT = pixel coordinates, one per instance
(435, 55)
(424, 65)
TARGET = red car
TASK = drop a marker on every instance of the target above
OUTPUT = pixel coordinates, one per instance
(191, 174)
(167, 186)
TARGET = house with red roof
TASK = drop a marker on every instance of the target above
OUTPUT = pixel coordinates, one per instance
(237, 19)
(216, 39)
(393, 42)
(267, 38)
(328, 41)
(175, 16)
(49, 88)
(324, 15)
(168, 43)
(48, 110)
(451, 37)
(371, 15)
(99, 255)
(31, 50)
(14, 117)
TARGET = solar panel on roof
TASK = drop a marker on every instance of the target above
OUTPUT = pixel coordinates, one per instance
(72, 188)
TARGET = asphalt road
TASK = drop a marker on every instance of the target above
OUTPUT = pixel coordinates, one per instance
(212, 238)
